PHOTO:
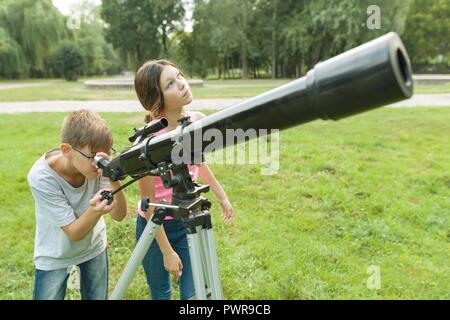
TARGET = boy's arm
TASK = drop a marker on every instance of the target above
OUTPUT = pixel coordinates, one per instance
(205, 173)
(80, 228)
(120, 211)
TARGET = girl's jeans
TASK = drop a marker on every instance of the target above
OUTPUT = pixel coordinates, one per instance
(158, 278)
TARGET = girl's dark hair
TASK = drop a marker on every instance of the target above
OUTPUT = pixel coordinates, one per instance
(148, 90)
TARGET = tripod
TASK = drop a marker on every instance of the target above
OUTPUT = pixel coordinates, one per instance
(193, 211)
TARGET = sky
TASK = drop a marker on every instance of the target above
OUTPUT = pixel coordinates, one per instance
(64, 7)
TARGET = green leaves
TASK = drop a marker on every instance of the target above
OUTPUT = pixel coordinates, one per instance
(12, 59)
(141, 29)
(36, 27)
(427, 31)
(68, 58)
(31, 31)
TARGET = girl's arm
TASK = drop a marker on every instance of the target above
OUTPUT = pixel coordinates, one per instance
(207, 176)
(172, 261)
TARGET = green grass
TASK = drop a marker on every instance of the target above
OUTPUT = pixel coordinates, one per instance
(63, 90)
(434, 88)
(367, 190)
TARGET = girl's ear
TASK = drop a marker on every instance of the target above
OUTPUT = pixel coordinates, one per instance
(65, 149)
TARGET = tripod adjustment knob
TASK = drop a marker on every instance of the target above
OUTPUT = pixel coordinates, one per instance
(107, 195)
(206, 205)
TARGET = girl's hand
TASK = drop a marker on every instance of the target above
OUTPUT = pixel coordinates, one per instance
(172, 263)
(227, 211)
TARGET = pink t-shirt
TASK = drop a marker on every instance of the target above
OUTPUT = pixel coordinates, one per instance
(166, 193)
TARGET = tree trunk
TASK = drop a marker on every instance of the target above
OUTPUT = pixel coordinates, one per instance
(274, 40)
(138, 55)
(244, 64)
(164, 40)
(227, 69)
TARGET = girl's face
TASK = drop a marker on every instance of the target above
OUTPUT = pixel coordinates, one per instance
(175, 89)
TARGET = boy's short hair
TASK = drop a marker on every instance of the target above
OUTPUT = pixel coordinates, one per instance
(86, 128)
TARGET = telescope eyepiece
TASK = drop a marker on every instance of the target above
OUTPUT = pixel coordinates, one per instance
(100, 162)
(148, 129)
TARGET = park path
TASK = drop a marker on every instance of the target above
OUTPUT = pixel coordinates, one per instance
(15, 85)
(429, 100)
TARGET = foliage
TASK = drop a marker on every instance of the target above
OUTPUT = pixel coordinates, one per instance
(31, 32)
(229, 38)
(427, 34)
(98, 55)
(140, 29)
(34, 29)
(69, 60)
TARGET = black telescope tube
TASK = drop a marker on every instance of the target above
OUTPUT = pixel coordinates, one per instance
(372, 75)
(366, 77)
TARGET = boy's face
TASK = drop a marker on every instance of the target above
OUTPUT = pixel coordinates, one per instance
(83, 160)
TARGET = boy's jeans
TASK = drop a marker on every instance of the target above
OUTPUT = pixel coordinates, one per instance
(51, 285)
(158, 278)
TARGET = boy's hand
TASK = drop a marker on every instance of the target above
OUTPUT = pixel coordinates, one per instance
(227, 211)
(101, 206)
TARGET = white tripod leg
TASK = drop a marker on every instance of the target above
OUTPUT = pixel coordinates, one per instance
(212, 267)
(135, 261)
(196, 265)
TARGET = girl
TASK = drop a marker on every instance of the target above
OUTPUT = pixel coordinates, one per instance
(163, 91)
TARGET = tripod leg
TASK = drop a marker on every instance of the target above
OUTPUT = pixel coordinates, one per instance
(212, 264)
(196, 265)
(205, 266)
(136, 258)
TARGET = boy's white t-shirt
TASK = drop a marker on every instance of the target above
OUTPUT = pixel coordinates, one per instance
(58, 204)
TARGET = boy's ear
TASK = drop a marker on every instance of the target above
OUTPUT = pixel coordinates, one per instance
(65, 148)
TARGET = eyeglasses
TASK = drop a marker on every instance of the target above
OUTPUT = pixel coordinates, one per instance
(91, 158)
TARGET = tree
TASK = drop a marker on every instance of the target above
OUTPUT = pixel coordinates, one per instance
(427, 32)
(98, 55)
(224, 29)
(12, 60)
(68, 58)
(36, 26)
(169, 14)
(140, 28)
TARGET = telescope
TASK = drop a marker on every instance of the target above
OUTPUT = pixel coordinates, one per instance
(372, 75)
(366, 77)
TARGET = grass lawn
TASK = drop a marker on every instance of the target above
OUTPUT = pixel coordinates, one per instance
(213, 89)
(370, 190)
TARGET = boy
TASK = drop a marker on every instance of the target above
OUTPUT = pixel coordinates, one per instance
(70, 229)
